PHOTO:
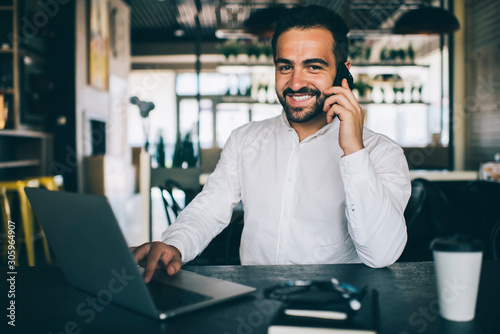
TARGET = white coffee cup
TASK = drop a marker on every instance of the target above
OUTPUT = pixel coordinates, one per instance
(458, 267)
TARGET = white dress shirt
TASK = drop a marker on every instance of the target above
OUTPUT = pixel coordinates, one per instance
(304, 202)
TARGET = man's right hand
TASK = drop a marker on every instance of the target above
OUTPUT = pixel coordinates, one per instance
(155, 255)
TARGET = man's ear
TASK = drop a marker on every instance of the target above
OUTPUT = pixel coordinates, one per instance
(348, 64)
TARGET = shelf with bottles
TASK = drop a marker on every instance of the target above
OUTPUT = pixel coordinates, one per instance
(252, 87)
(371, 103)
(391, 84)
(239, 52)
(265, 98)
(389, 93)
(384, 49)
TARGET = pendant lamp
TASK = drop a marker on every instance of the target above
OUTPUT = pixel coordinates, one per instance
(426, 20)
(262, 22)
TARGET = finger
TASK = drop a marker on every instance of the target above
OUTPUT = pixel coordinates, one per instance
(334, 110)
(172, 261)
(344, 87)
(153, 258)
(341, 91)
(345, 84)
(336, 90)
(342, 112)
(141, 252)
(174, 266)
(338, 99)
(350, 95)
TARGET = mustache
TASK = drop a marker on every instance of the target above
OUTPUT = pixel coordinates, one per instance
(303, 90)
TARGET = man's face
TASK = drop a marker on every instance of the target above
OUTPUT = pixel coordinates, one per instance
(305, 67)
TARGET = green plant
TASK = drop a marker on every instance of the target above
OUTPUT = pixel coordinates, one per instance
(355, 52)
(254, 50)
(384, 54)
(393, 54)
(362, 87)
(266, 49)
(230, 47)
(368, 53)
(401, 54)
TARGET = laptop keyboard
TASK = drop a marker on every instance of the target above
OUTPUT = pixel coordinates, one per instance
(168, 297)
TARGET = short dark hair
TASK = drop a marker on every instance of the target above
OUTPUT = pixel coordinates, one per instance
(312, 16)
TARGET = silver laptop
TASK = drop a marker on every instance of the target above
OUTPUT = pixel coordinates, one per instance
(94, 256)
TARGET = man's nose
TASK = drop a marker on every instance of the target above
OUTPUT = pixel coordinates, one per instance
(297, 81)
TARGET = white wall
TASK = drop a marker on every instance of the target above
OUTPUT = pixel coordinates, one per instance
(106, 105)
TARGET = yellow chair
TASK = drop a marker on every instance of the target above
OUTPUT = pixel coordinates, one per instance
(50, 182)
(31, 232)
(5, 207)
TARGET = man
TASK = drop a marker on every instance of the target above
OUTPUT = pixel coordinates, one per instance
(316, 186)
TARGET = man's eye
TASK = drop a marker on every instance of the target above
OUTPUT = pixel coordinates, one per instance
(284, 68)
(315, 67)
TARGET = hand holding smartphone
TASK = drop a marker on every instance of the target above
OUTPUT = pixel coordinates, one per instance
(350, 130)
(342, 73)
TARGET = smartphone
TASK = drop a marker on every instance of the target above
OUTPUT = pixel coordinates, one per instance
(343, 72)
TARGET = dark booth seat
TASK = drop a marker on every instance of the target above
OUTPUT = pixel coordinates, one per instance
(441, 208)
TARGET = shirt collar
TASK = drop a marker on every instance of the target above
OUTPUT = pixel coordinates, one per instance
(328, 127)
(285, 122)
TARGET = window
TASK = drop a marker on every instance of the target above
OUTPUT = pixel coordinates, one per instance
(156, 86)
(226, 103)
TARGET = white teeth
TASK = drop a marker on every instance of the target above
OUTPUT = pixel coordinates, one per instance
(301, 98)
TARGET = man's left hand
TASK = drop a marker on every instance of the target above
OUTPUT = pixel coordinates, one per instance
(342, 103)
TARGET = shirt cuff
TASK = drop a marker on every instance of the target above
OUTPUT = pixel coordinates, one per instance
(356, 167)
(175, 242)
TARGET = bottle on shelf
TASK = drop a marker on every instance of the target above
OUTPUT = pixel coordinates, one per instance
(184, 154)
(407, 95)
(416, 94)
(4, 111)
(160, 151)
(177, 158)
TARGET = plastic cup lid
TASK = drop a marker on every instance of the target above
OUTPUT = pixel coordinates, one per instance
(457, 243)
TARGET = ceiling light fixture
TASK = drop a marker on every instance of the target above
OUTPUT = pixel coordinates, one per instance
(233, 34)
(426, 20)
(179, 32)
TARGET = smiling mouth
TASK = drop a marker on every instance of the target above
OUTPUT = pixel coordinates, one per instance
(300, 98)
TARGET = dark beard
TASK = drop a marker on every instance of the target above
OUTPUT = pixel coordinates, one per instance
(292, 112)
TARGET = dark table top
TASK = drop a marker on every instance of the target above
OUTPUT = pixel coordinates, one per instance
(46, 303)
